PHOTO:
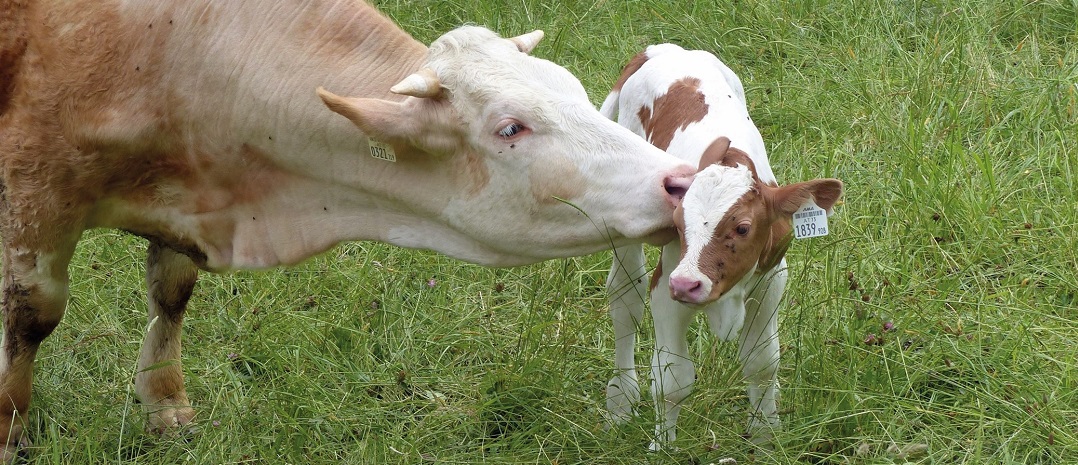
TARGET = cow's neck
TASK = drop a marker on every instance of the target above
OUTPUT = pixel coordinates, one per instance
(273, 176)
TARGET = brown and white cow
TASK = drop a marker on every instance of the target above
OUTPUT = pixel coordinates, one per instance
(197, 125)
(734, 225)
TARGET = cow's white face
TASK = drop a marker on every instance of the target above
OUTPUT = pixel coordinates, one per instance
(546, 174)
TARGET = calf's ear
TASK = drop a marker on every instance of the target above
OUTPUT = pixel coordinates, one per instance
(714, 153)
(721, 153)
(787, 200)
(824, 192)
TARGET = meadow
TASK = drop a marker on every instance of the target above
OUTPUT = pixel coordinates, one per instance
(937, 323)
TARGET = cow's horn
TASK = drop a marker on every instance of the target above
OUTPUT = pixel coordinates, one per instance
(526, 42)
(423, 83)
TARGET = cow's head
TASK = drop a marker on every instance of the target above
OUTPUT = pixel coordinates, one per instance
(732, 225)
(554, 179)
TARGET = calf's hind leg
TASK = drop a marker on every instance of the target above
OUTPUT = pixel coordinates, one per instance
(170, 278)
(35, 290)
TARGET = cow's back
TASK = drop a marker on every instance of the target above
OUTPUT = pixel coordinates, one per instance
(12, 46)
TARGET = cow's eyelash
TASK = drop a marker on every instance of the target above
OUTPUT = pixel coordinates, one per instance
(511, 130)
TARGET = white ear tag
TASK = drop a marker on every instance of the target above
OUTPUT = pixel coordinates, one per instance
(382, 150)
(810, 221)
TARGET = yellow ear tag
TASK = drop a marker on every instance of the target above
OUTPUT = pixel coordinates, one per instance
(382, 150)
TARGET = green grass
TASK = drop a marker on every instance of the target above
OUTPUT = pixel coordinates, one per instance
(954, 125)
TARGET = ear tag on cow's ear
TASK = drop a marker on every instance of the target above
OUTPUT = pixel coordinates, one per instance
(810, 221)
(382, 150)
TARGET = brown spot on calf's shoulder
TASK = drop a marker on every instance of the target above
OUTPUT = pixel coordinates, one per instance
(682, 105)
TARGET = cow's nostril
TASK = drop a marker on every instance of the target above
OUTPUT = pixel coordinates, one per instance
(676, 186)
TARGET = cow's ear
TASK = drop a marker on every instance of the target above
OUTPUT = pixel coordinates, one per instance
(424, 123)
(787, 199)
(380, 119)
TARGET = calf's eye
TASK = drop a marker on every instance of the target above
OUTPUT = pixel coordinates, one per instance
(742, 229)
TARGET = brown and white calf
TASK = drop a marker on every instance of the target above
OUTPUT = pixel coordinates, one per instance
(734, 226)
(197, 125)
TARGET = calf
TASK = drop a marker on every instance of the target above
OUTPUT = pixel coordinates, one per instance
(734, 226)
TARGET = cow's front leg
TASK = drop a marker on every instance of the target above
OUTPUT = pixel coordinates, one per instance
(170, 278)
(759, 353)
(626, 289)
(35, 294)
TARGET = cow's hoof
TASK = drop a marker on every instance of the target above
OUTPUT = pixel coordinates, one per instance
(169, 420)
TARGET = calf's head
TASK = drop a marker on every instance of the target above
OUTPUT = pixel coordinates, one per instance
(732, 225)
(552, 176)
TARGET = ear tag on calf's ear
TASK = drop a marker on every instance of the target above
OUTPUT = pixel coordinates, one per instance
(382, 150)
(810, 221)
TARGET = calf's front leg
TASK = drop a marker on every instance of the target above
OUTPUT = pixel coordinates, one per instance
(759, 354)
(626, 290)
(170, 279)
(672, 371)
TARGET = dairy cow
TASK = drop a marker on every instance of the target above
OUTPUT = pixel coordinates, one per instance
(197, 125)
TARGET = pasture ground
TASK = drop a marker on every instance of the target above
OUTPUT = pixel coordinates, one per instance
(954, 125)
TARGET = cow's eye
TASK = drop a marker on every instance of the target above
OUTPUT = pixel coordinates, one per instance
(742, 229)
(510, 130)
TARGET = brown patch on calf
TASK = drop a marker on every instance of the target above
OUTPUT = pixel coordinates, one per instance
(630, 68)
(728, 256)
(682, 105)
(657, 274)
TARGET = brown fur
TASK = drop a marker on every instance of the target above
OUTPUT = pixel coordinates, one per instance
(99, 108)
(12, 46)
(682, 105)
(630, 68)
(657, 274)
